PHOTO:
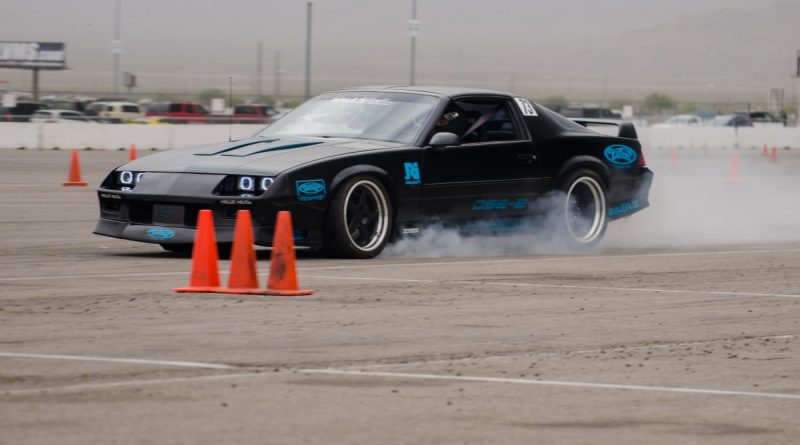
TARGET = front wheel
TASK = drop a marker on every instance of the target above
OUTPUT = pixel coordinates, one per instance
(583, 209)
(359, 219)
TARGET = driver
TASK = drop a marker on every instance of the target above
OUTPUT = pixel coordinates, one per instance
(453, 120)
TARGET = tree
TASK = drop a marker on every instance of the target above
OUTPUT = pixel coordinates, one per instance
(659, 102)
(555, 102)
(269, 100)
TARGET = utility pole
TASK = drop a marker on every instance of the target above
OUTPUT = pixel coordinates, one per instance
(413, 31)
(116, 45)
(277, 76)
(308, 51)
(794, 88)
(259, 61)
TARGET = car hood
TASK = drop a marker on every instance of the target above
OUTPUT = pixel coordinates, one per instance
(253, 156)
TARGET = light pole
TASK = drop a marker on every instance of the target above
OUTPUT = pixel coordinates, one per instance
(277, 76)
(794, 88)
(259, 63)
(413, 31)
(116, 45)
(308, 50)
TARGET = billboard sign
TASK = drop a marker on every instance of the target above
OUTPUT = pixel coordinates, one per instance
(30, 55)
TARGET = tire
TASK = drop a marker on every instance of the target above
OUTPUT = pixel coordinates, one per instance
(359, 219)
(583, 209)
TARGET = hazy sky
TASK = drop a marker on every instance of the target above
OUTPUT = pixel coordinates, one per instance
(532, 45)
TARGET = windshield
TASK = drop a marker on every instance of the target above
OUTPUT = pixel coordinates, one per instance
(394, 117)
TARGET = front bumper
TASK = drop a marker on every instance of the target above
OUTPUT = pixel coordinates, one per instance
(161, 220)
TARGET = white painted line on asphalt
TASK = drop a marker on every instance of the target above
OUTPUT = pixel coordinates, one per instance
(696, 391)
(117, 360)
(423, 263)
(420, 262)
(562, 286)
(632, 289)
(92, 386)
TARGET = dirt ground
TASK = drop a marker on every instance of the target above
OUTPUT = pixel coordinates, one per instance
(684, 327)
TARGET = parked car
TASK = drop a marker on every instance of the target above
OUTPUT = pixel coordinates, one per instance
(60, 116)
(360, 167)
(732, 120)
(115, 112)
(254, 114)
(766, 119)
(59, 103)
(682, 120)
(590, 112)
(22, 111)
(178, 112)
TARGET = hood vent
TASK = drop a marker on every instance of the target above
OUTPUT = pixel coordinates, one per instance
(257, 147)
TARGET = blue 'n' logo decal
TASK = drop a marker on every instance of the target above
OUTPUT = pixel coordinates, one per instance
(413, 176)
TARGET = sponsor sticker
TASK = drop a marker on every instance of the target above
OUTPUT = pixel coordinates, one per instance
(160, 233)
(310, 190)
(413, 176)
(526, 107)
(625, 207)
(621, 156)
(363, 100)
(500, 204)
(235, 202)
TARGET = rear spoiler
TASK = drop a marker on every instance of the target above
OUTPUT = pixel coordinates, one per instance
(626, 128)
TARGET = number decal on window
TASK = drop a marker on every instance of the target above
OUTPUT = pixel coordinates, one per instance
(526, 107)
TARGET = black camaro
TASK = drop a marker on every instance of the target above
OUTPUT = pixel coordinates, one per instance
(361, 166)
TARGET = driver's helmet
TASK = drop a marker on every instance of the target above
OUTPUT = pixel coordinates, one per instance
(453, 120)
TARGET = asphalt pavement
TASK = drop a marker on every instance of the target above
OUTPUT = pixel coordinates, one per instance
(683, 327)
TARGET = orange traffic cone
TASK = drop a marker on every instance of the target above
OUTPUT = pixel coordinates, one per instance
(75, 171)
(774, 158)
(765, 150)
(733, 176)
(205, 274)
(673, 159)
(243, 277)
(283, 270)
(132, 156)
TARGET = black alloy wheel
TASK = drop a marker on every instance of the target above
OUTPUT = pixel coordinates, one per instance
(359, 219)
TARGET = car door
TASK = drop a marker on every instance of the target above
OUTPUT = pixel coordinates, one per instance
(494, 172)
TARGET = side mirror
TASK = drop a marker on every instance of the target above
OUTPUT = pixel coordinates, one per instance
(444, 139)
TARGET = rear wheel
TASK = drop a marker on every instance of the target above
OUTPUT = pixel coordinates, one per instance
(584, 209)
(359, 219)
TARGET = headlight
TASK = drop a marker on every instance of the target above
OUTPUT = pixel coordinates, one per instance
(126, 177)
(127, 180)
(244, 186)
(247, 184)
